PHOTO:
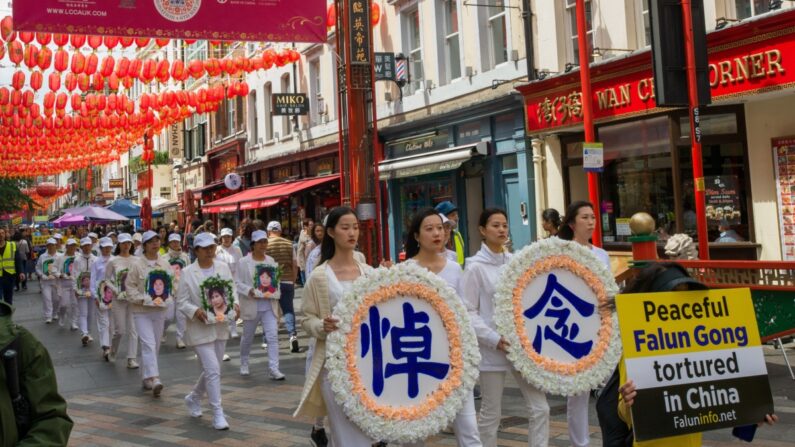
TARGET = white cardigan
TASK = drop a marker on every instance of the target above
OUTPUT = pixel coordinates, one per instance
(189, 300)
(244, 282)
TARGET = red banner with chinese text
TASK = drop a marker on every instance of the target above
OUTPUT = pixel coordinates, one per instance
(239, 20)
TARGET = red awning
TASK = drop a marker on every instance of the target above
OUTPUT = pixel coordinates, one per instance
(263, 196)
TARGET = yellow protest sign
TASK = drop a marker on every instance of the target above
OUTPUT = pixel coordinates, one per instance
(696, 360)
(38, 241)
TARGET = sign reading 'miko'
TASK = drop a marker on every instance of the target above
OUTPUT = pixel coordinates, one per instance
(271, 20)
(290, 104)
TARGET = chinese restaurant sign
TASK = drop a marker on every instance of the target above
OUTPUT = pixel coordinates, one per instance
(759, 63)
(360, 31)
(242, 20)
(696, 360)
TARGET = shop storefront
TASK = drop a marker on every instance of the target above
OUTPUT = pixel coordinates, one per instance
(189, 179)
(222, 160)
(473, 157)
(647, 161)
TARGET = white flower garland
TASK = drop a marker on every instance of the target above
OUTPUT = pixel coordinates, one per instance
(504, 318)
(399, 430)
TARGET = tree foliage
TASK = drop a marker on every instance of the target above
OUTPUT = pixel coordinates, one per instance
(12, 199)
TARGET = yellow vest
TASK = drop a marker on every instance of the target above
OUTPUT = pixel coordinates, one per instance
(458, 244)
(7, 262)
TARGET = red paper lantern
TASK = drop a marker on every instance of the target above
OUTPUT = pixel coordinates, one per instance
(43, 38)
(15, 52)
(45, 58)
(78, 63)
(54, 81)
(36, 80)
(162, 42)
(46, 189)
(18, 80)
(77, 40)
(31, 56)
(94, 42)
(111, 42)
(7, 29)
(61, 60)
(375, 14)
(331, 15)
(141, 42)
(126, 41)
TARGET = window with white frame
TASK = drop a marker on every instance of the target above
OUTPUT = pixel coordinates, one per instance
(231, 114)
(196, 50)
(571, 30)
(267, 116)
(314, 92)
(252, 118)
(497, 32)
(412, 41)
(287, 127)
(750, 8)
(452, 39)
(643, 23)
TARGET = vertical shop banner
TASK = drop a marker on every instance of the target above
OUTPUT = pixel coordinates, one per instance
(359, 20)
(723, 199)
(243, 20)
(696, 360)
(784, 159)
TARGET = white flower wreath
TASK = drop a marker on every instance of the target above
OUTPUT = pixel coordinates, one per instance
(546, 374)
(400, 424)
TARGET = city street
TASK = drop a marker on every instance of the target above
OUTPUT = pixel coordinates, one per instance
(109, 408)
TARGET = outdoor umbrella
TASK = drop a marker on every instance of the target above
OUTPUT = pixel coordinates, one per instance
(67, 220)
(126, 208)
(95, 213)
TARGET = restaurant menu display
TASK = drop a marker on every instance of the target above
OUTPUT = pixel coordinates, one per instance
(722, 199)
(784, 159)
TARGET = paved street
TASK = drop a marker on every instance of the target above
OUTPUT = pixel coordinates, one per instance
(109, 407)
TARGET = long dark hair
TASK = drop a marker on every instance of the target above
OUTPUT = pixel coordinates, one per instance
(486, 214)
(312, 235)
(552, 216)
(327, 247)
(412, 244)
(565, 231)
(117, 250)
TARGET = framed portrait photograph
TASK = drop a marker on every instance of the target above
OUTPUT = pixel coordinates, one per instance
(121, 280)
(106, 295)
(68, 267)
(84, 283)
(159, 287)
(218, 299)
(266, 278)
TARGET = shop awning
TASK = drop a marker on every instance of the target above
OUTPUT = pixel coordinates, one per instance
(430, 162)
(264, 196)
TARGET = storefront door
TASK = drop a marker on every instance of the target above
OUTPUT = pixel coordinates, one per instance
(513, 205)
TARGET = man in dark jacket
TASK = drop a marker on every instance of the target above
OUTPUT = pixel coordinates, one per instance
(48, 423)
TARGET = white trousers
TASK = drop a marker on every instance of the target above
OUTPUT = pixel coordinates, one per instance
(577, 417)
(49, 298)
(67, 303)
(270, 325)
(465, 426)
(150, 331)
(492, 384)
(103, 325)
(210, 357)
(88, 314)
(174, 314)
(233, 326)
(344, 433)
(123, 324)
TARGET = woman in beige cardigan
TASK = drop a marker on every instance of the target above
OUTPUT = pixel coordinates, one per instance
(327, 284)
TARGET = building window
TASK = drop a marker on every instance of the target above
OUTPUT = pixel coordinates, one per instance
(314, 93)
(197, 50)
(571, 24)
(268, 115)
(643, 23)
(231, 114)
(750, 8)
(195, 128)
(452, 39)
(413, 42)
(498, 33)
(252, 119)
(287, 127)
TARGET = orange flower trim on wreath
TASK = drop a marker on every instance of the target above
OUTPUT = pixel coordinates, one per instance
(445, 389)
(605, 330)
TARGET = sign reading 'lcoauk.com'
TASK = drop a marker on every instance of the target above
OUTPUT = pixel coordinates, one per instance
(696, 360)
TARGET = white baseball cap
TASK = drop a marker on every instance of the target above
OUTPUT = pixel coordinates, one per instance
(174, 237)
(111, 233)
(71, 241)
(57, 236)
(125, 237)
(93, 235)
(52, 241)
(258, 235)
(105, 242)
(227, 232)
(274, 226)
(204, 240)
(148, 235)
(137, 237)
(86, 241)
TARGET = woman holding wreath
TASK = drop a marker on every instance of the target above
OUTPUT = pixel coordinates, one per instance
(98, 269)
(200, 281)
(147, 297)
(116, 274)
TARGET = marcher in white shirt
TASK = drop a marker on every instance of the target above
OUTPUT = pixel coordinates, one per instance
(67, 299)
(148, 295)
(46, 270)
(477, 289)
(81, 284)
(116, 273)
(208, 340)
(95, 249)
(178, 260)
(98, 275)
(231, 255)
(259, 303)
(138, 246)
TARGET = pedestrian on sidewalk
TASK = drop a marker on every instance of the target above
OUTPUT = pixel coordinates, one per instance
(11, 268)
(81, 278)
(116, 275)
(578, 226)
(243, 240)
(178, 260)
(98, 270)
(425, 241)
(478, 286)
(257, 286)
(67, 299)
(149, 287)
(207, 339)
(23, 248)
(304, 247)
(325, 287)
(457, 241)
(46, 269)
(233, 256)
(281, 250)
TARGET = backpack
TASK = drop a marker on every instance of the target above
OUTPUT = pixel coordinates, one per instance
(615, 432)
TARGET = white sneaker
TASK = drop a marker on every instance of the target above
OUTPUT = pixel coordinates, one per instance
(194, 407)
(227, 358)
(48, 321)
(235, 336)
(277, 375)
(163, 340)
(180, 344)
(55, 317)
(264, 346)
(74, 327)
(244, 370)
(219, 422)
(132, 364)
(90, 339)
(157, 387)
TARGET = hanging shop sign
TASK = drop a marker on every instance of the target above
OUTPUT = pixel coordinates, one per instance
(696, 360)
(384, 66)
(784, 159)
(290, 104)
(258, 21)
(742, 61)
(116, 183)
(175, 136)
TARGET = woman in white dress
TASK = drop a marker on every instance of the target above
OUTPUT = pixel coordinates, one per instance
(329, 281)
(98, 269)
(116, 274)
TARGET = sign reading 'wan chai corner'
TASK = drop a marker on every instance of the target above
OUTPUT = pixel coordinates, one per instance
(751, 61)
